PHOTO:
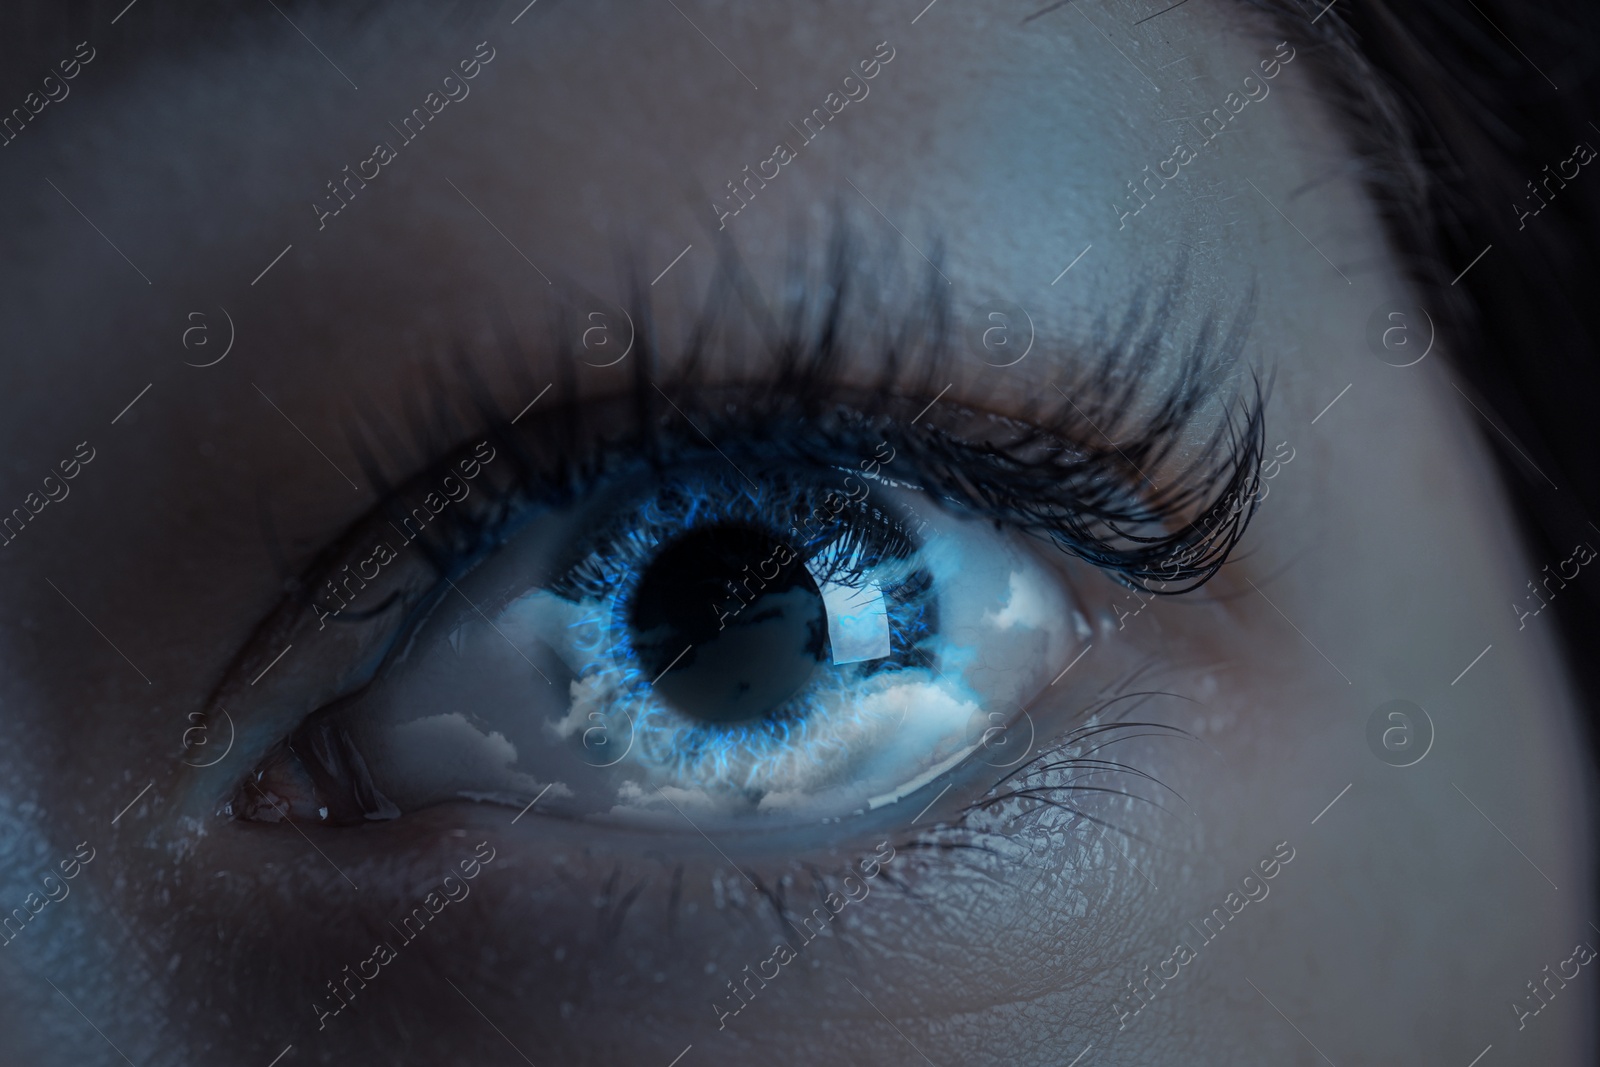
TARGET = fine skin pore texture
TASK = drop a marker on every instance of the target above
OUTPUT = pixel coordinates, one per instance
(1399, 931)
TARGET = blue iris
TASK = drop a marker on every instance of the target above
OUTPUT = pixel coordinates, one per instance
(705, 617)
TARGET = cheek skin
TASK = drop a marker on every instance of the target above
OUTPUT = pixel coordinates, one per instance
(602, 935)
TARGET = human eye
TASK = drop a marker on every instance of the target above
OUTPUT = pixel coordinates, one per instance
(750, 604)
(595, 615)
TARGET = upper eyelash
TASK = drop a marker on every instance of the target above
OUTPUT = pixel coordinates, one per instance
(1060, 472)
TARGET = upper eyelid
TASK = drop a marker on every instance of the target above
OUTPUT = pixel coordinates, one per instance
(1068, 469)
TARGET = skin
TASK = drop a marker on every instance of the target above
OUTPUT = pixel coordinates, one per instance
(1401, 931)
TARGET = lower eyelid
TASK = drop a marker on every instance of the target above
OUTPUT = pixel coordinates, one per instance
(544, 871)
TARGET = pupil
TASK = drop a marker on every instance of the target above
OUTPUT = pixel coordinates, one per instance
(747, 610)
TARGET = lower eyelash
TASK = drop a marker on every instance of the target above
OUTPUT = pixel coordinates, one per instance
(1051, 781)
(1019, 785)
